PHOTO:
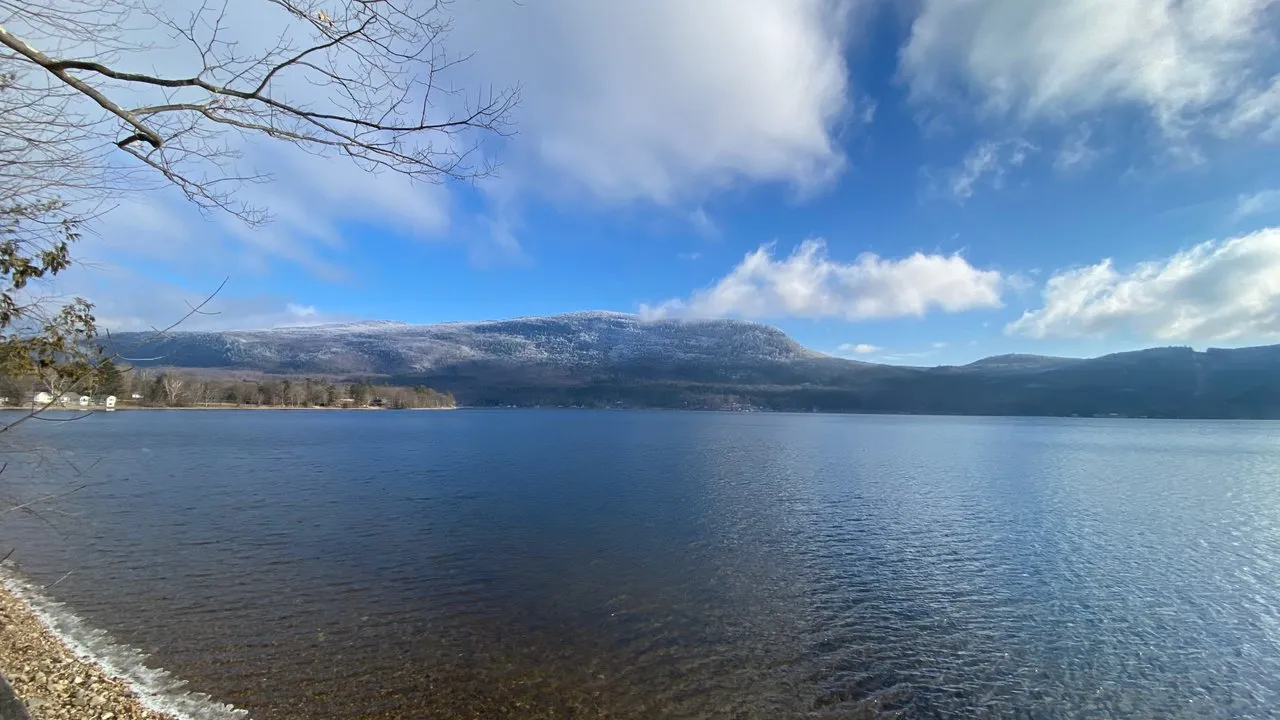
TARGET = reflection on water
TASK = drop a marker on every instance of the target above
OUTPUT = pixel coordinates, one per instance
(684, 565)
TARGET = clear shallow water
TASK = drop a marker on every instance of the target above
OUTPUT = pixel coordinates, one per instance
(497, 564)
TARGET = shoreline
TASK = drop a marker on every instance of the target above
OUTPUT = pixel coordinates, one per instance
(61, 671)
(130, 408)
(266, 407)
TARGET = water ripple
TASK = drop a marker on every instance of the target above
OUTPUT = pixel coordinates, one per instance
(679, 565)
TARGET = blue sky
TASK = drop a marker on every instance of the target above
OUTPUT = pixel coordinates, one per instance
(917, 182)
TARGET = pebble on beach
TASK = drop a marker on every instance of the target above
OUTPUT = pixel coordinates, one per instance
(54, 683)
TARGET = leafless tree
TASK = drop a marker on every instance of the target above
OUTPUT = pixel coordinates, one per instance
(296, 396)
(202, 392)
(360, 79)
(104, 97)
(142, 378)
(173, 385)
(86, 115)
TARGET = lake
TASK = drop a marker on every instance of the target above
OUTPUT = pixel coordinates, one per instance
(583, 564)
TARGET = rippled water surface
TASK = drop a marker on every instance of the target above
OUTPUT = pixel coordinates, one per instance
(495, 564)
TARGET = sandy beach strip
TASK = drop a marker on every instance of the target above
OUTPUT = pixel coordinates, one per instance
(51, 679)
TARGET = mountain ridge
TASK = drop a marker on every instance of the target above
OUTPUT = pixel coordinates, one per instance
(603, 358)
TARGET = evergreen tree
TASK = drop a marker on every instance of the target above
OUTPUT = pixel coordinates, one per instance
(362, 393)
(110, 381)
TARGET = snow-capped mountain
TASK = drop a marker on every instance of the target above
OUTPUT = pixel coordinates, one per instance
(612, 359)
(583, 341)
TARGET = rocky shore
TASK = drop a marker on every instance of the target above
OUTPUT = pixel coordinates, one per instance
(51, 679)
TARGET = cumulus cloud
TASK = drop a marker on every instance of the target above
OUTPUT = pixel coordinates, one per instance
(1185, 64)
(657, 100)
(810, 284)
(666, 100)
(990, 159)
(1215, 291)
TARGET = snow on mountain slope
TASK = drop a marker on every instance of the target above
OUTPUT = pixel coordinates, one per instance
(575, 340)
(610, 360)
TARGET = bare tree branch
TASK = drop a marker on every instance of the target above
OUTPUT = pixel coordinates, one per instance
(54, 67)
(359, 79)
(94, 104)
(43, 499)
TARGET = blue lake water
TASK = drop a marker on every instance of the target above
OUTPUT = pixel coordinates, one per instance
(526, 564)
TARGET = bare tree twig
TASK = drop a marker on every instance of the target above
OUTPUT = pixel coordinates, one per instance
(44, 418)
(42, 499)
(373, 71)
(64, 577)
(195, 310)
(59, 72)
(82, 121)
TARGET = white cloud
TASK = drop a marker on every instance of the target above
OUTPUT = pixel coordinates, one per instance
(1257, 111)
(1182, 63)
(500, 245)
(1075, 152)
(1215, 291)
(907, 358)
(991, 159)
(313, 201)
(809, 284)
(126, 300)
(858, 349)
(704, 225)
(301, 311)
(665, 100)
(1260, 203)
(1019, 283)
(657, 100)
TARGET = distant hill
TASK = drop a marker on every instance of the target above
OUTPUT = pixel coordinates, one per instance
(1029, 363)
(614, 359)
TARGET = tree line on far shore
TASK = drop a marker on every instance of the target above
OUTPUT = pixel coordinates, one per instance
(170, 388)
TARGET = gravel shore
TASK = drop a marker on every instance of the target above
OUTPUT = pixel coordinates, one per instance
(56, 684)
